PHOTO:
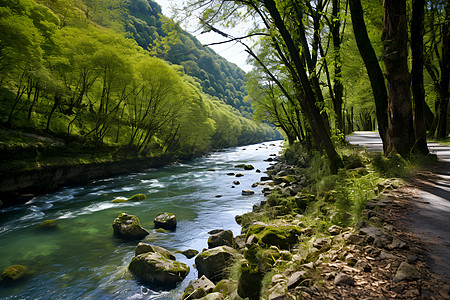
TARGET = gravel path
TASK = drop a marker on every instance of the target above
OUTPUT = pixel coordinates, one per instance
(429, 217)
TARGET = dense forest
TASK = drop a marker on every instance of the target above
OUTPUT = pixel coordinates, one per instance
(324, 68)
(110, 76)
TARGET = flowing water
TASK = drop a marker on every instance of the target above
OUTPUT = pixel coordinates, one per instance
(82, 260)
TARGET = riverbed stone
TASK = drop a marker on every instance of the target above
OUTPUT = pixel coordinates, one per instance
(128, 227)
(14, 272)
(406, 272)
(296, 278)
(189, 253)
(137, 197)
(220, 238)
(378, 237)
(166, 221)
(48, 224)
(154, 268)
(247, 192)
(214, 263)
(144, 248)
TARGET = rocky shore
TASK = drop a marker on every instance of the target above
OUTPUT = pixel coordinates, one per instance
(284, 254)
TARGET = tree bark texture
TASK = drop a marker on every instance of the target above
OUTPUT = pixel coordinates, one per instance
(418, 91)
(442, 112)
(401, 136)
(338, 87)
(307, 99)
(373, 68)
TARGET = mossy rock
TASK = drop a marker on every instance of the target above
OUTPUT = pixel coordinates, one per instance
(154, 268)
(145, 248)
(160, 230)
(137, 197)
(224, 287)
(48, 224)
(248, 167)
(240, 166)
(119, 200)
(14, 272)
(249, 283)
(166, 221)
(214, 263)
(239, 175)
(128, 227)
(282, 237)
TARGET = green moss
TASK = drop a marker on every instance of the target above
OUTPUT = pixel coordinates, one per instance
(137, 197)
(161, 230)
(187, 291)
(14, 272)
(48, 224)
(119, 200)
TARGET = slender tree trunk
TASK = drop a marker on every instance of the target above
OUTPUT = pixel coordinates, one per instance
(418, 91)
(373, 68)
(316, 121)
(338, 87)
(442, 112)
(401, 136)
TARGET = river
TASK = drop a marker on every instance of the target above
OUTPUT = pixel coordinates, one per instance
(82, 260)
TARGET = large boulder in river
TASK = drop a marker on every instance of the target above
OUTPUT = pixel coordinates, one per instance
(128, 227)
(14, 272)
(145, 248)
(220, 237)
(214, 263)
(166, 221)
(155, 269)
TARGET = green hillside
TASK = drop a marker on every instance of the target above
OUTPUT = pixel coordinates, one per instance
(70, 70)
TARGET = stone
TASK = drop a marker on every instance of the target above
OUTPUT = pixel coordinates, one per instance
(165, 221)
(14, 272)
(354, 238)
(221, 238)
(128, 227)
(239, 242)
(351, 260)
(295, 279)
(154, 268)
(255, 184)
(190, 253)
(218, 196)
(397, 244)
(48, 224)
(236, 182)
(247, 192)
(213, 296)
(230, 174)
(378, 237)
(335, 230)
(137, 197)
(406, 272)
(144, 248)
(343, 279)
(239, 175)
(264, 178)
(278, 278)
(204, 283)
(258, 171)
(363, 265)
(119, 200)
(386, 255)
(214, 263)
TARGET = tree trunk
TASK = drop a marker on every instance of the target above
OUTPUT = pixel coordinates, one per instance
(442, 113)
(315, 119)
(418, 91)
(338, 87)
(373, 69)
(401, 136)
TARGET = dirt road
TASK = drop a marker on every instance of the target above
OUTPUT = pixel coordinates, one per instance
(429, 216)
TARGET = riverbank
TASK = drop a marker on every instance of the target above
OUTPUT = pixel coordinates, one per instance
(350, 239)
(33, 164)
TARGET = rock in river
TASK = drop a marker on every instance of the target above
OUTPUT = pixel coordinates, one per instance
(144, 248)
(156, 269)
(128, 227)
(214, 263)
(220, 238)
(166, 221)
(14, 272)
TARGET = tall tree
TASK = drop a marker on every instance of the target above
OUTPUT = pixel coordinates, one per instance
(418, 91)
(373, 68)
(401, 136)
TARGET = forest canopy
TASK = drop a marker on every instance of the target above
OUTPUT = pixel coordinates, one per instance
(74, 69)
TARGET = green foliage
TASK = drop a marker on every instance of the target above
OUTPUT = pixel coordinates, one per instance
(63, 74)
